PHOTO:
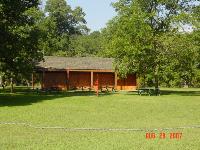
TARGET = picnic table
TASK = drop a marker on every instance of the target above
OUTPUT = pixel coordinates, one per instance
(107, 88)
(148, 91)
(48, 90)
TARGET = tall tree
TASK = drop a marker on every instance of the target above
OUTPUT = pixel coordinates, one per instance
(18, 37)
(135, 35)
(86, 45)
(60, 23)
(182, 66)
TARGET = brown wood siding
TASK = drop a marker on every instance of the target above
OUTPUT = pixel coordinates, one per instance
(55, 79)
(105, 79)
(79, 79)
(83, 79)
(128, 83)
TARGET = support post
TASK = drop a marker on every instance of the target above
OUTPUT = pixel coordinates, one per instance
(115, 80)
(97, 84)
(43, 76)
(92, 79)
(68, 79)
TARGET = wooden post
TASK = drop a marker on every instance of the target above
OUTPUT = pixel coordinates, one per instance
(115, 80)
(68, 79)
(32, 81)
(97, 84)
(92, 79)
(43, 76)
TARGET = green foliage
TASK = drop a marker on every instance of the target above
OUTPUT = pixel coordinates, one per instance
(86, 45)
(19, 37)
(59, 24)
(146, 37)
(182, 65)
(137, 39)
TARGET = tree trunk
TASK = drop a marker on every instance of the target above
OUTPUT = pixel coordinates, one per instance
(156, 82)
(156, 78)
(11, 84)
(144, 81)
(32, 81)
(1, 83)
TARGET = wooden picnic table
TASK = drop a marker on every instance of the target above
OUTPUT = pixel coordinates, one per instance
(149, 91)
(107, 88)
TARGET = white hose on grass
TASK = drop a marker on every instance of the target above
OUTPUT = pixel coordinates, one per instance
(96, 129)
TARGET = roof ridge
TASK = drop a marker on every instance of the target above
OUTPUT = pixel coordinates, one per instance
(80, 57)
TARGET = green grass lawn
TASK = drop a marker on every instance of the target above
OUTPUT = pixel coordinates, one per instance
(174, 108)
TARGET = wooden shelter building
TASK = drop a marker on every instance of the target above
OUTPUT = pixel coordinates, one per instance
(66, 73)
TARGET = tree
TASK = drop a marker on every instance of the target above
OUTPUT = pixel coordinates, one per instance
(136, 35)
(18, 37)
(86, 44)
(182, 66)
(60, 23)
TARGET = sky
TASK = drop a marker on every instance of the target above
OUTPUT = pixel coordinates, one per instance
(98, 12)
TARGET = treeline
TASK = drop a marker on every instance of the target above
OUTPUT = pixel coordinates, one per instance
(157, 39)
(29, 31)
(149, 38)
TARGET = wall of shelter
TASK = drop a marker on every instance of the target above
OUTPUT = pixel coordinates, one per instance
(55, 79)
(80, 79)
(128, 83)
(104, 78)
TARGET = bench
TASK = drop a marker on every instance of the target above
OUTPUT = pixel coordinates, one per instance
(83, 88)
(107, 88)
(148, 91)
(48, 90)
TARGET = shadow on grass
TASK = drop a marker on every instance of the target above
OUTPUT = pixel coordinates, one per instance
(23, 97)
(180, 93)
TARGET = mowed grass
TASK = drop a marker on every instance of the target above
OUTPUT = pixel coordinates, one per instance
(174, 108)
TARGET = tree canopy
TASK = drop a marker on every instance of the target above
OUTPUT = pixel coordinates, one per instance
(86, 45)
(137, 37)
(59, 24)
(18, 37)
(149, 38)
